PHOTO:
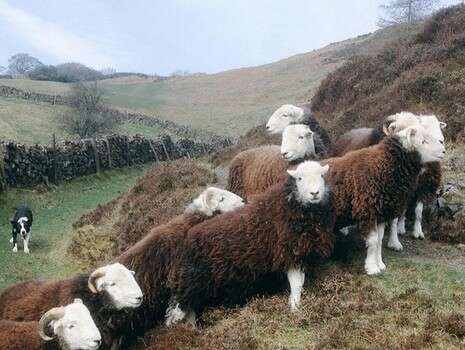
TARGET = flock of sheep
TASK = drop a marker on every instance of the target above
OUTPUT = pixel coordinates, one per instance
(221, 248)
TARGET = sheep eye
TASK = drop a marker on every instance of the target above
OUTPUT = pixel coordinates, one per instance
(285, 115)
(424, 142)
(300, 179)
(222, 199)
(441, 142)
(112, 284)
(301, 137)
(71, 326)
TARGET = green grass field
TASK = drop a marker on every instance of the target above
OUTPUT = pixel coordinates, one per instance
(54, 212)
(35, 122)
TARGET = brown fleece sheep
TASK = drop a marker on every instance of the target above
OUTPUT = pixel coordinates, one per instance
(373, 185)
(16, 335)
(151, 257)
(27, 301)
(253, 171)
(52, 332)
(276, 233)
(429, 181)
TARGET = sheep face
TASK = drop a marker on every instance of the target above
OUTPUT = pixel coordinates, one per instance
(284, 116)
(310, 183)
(417, 138)
(217, 200)
(119, 285)
(433, 126)
(297, 142)
(76, 328)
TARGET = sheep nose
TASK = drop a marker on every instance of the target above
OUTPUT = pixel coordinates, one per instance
(314, 194)
(97, 342)
(267, 127)
(284, 154)
(139, 299)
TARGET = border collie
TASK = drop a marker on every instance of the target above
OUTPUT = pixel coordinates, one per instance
(21, 224)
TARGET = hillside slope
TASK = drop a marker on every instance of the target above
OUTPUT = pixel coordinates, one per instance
(424, 73)
(230, 102)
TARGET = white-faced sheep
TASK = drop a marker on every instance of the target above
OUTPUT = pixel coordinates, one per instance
(253, 171)
(289, 114)
(69, 327)
(283, 230)
(152, 256)
(372, 185)
(109, 292)
(430, 178)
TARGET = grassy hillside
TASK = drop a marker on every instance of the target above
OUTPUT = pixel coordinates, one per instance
(54, 212)
(233, 101)
(34, 122)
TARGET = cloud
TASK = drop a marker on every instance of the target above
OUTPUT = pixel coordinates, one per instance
(53, 40)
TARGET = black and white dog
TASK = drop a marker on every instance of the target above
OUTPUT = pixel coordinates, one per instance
(21, 224)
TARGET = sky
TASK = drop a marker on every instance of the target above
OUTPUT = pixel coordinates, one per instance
(162, 36)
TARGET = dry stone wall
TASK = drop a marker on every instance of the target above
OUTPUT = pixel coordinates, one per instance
(28, 166)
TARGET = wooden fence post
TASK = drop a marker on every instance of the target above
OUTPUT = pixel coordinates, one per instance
(153, 151)
(107, 143)
(54, 159)
(4, 182)
(96, 157)
(164, 149)
(129, 151)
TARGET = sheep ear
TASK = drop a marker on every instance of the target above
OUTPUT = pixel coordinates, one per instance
(411, 133)
(92, 282)
(132, 272)
(442, 125)
(292, 173)
(209, 199)
(325, 169)
(77, 301)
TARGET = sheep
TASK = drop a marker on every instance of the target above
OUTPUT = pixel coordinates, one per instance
(289, 114)
(69, 327)
(254, 170)
(286, 229)
(372, 185)
(430, 179)
(151, 257)
(110, 292)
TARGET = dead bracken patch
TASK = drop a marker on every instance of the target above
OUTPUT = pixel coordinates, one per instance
(423, 73)
(157, 197)
(340, 310)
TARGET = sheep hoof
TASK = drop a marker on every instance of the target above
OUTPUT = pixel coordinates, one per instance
(294, 304)
(397, 246)
(26, 250)
(372, 270)
(344, 231)
(11, 240)
(418, 235)
(15, 249)
(382, 266)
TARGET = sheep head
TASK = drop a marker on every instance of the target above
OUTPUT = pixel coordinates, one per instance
(309, 182)
(72, 325)
(418, 139)
(284, 116)
(215, 200)
(297, 142)
(119, 285)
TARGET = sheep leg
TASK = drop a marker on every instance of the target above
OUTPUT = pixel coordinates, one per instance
(191, 317)
(371, 264)
(296, 279)
(401, 225)
(174, 314)
(393, 242)
(417, 228)
(379, 247)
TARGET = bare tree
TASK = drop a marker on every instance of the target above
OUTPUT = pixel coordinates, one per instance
(88, 117)
(22, 63)
(2, 69)
(405, 11)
